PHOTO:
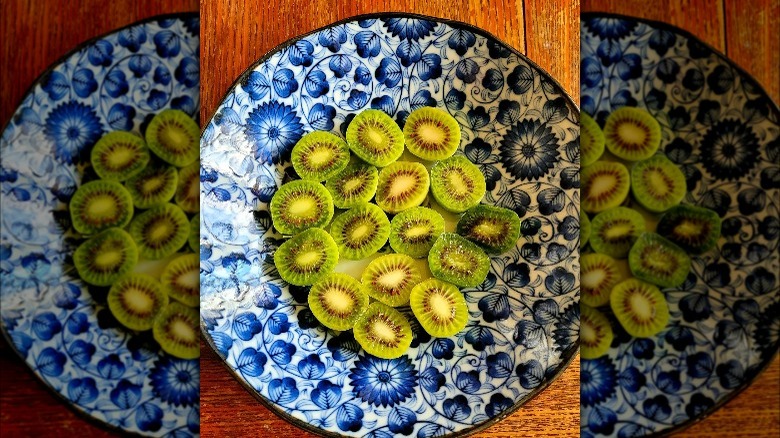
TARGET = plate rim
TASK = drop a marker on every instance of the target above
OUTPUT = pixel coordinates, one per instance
(773, 107)
(566, 357)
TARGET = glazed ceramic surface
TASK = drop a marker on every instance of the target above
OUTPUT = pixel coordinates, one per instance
(59, 326)
(519, 128)
(722, 130)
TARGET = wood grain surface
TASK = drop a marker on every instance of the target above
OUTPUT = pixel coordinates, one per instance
(235, 34)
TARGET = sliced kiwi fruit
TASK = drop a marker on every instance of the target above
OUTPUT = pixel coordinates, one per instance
(657, 260)
(160, 231)
(632, 134)
(307, 257)
(591, 140)
(383, 331)
(174, 137)
(188, 189)
(657, 183)
(106, 257)
(585, 229)
(694, 229)
(457, 184)
(456, 260)
(605, 184)
(439, 307)
(614, 231)
(431, 133)
(390, 279)
(299, 205)
(599, 273)
(494, 229)
(99, 205)
(176, 330)
(639, 307)
(319, 155)
(337, 301)
(402, 185)
(354, 185)
(135, 300)
(153, 186)
(595, 333)
(413, 231)
(360, 231)
(119, 155)
(375, 137)
(194, 238)
(181, 279)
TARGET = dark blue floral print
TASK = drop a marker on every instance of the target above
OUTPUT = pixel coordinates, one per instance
(176, 381)
(273, 129)
(383, 382)
(529, 150)
(74, 128)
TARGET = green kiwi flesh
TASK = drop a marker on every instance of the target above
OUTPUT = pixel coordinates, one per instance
(99, 205)
(390, 279)
(174, 137)
(119, 155)
(354, 185)
(591, 140)
(153, 186)
(457, 184)
(595, 333)
(439, 307)
(431, 133)
(632, 134)
(160, 231)
(181, 279)
(599, 273)
(319, 155)
(375, 137)
(194, 238)
(694, 229)
(585, 229)
(360, 231)
(299, 205)
(135, 300)
(605, 184)
(413, 231)
(639, 307)
(306, 257)
(614, 231)
(402, 185)
(456, 260)
(176, 330)
(337, 301)
(188, 189)
(106, 257)
(657, 260)
(494, 229)
(657, 183)
(383, 331)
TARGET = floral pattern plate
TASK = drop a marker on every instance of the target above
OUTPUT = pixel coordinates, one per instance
(519, 127)
(58, 326)
(722, 130)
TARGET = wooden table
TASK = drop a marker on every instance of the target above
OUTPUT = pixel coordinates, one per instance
(750, 38)
(235, 35)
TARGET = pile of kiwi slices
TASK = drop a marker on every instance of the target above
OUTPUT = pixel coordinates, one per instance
(376, 191)
(136, 212)
(629, 186)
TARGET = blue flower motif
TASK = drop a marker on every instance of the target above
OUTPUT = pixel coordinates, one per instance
(442, 348)
(132, 38)
(316, 83)
(84, 82)
(598, 379)
(349, 417)
(184, 103)
(81, 352)
(409, 28)
(479, 337)
(101, 53)
(408, 52)
(431, 379)
(383, 382)
(529, 150)
(457, 408)
(157, 99)
(74, 128)
(367, 43)
(643, 348)
(631, 379)
(401, 420)
(126, 394)
(56, 85)
(176, 381)
(281, 352)
(340, 65)
(311, 367)
(498, 403)
(499, 365)
(384, 103)
(429, 66)
(362, 75)
(140, 65)
(468, 381)
(729, 150)
(657, 408)
(250, 362)
(567, 328)
(273, 129)
(610, 28)
(283, 391)
(161, 75)
(494, 307)
(111, 367)
(609, 52)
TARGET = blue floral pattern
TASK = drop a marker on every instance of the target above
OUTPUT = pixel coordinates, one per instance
(723, 133)
(518, 127)
(60, 327)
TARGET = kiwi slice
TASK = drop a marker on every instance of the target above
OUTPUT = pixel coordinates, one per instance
(585, 229)
(615, 231)
(657, 183)
(337, 301)
(599, 273)
(659, 261)
(402, 185)
(135, 300)
(106, 257)
(439, 307)
(605, 184)
(694, 229)
(595, 333)
(306, 257)
(99, 205)
(375, 138)
(639, 307)
(354, 185)
(119, 155)
(360, 231)
(431, 133)
(299, 205)
(632, 134)
(153, 186)
(319, 155)
(456, 260)
(591, 140)
(160, 231)
(176, 330)
(188, 189)
(383, 331)
(494, 229)
(174, 137)
(181, 279)
(413, 231)
(194, 238)
(390, 279)
(457, 184)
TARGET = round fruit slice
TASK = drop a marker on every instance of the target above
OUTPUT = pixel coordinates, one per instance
(657, 183)
(639, 307)
(694, 229)
(299, 205)
(307, 257)
(591, 140)
(431, 133)
(632, 134)
(375, 138)
(413, 231)
(135, 300)
(353, 186)
(188, 188)
(99, 205)
(657, 260)
(599, 273)
(458, 261)
(494, 229)
(174, 137)
(119, 155)
(360, 231)
(153, 186)
(106, 257)
(439, 307)
(337, 301)
(585, 229)
(615, 231)
(390, 279)
(160, 231)
(319, 155)
(383, 331)
(595, 333)
(457, 184)
(402, 185)
(176, 330)
(181, 279)
(605, 184)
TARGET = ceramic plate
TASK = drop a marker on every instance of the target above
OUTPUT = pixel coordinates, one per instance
(59, 326)
(722, 130)
(519, 127)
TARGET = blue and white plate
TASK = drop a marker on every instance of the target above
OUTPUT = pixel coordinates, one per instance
(519, 127)
(722, 129)
(60, 327)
